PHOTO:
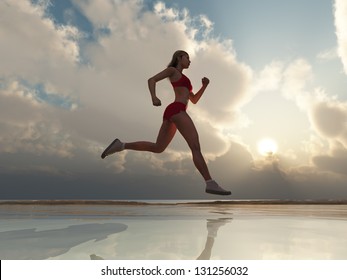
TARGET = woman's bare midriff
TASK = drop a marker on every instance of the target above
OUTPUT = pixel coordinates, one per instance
(181, 95)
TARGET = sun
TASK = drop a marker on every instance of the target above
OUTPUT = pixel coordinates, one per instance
(267, 147)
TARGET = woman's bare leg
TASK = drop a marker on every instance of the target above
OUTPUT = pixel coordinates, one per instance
(166, 133)
(185, 125)
(187, 128)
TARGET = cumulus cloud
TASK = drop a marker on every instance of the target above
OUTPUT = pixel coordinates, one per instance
(328, 54)
(68, 108)
(330, 119)
(327, 114)
(296, 79)
(230, 82)
(340, 14)
(29, 126)
(180, 30)
(269, 78)
(130, 45)
(32, 45)
(325, 148)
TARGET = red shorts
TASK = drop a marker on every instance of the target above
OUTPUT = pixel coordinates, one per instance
(173, 109)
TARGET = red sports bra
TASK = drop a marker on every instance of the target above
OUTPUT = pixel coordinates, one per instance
(183, 82)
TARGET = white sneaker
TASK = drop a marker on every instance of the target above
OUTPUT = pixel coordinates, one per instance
(213, 188)
(115, 146)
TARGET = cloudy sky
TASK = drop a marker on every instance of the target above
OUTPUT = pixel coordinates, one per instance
(73, 76)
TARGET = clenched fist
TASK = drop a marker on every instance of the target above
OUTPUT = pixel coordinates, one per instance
(205, 81)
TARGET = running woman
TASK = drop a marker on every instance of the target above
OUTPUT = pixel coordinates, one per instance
(175, 117)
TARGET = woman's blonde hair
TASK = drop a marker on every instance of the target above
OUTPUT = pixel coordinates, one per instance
(176, 55)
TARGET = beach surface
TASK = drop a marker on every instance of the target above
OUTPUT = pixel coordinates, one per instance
(178, 230)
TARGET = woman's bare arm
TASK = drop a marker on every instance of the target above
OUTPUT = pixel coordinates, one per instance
(194, 98)
(166, 73)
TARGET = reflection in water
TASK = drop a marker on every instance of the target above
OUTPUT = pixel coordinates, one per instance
(175, 232)
(32, 244)
(213, 226)
(95, 257)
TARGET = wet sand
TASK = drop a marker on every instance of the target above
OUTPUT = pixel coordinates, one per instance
(184, 230)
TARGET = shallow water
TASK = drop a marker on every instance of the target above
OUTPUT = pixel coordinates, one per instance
(182, 231)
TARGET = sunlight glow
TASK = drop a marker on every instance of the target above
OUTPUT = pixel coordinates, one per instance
(267, 147)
